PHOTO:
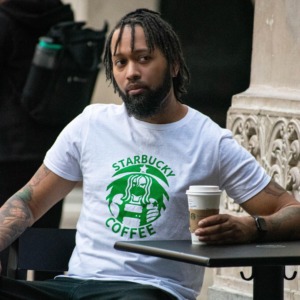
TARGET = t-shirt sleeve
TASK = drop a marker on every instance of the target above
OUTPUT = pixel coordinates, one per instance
(243, 177)
(63, 158)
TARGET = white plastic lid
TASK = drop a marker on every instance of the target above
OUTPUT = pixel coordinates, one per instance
(209, 189)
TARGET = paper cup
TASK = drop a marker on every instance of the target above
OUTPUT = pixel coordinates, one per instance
(203, 201)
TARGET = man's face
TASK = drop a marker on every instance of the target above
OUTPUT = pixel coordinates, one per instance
(143, 78)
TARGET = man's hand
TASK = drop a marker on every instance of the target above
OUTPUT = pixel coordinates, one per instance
(280, 210)
(226, 229)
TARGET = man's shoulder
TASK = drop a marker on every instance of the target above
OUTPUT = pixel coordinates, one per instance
(205, 122)
(103, 108)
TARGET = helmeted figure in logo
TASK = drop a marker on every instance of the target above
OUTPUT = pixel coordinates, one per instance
(136, 199)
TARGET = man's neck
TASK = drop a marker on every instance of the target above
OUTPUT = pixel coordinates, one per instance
(171, 111)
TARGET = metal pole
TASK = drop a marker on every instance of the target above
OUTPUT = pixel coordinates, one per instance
(268, 282)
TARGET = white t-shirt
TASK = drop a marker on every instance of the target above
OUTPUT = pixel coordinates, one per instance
(135, 176)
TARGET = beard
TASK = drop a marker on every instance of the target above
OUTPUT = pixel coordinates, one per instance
(150, 102)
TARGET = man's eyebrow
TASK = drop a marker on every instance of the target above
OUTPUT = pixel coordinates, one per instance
(135, 51)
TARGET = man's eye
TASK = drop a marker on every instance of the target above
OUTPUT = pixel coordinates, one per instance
(119, 63)
(144, 58)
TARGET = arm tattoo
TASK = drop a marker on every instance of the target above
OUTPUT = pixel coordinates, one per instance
(286, 218)
(15, 214)
(284, 225)
(15, 217)
(274, 189)
(39, 175)
(25, 194)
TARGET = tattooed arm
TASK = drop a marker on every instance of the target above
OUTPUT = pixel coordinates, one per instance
(26, 206)
(280, 210)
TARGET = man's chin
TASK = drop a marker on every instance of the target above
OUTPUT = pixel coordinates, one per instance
(137, 106)
(139, 113)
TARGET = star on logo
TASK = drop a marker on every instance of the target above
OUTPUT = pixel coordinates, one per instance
(144, 169)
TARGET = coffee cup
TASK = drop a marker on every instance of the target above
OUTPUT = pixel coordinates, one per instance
(203, 201)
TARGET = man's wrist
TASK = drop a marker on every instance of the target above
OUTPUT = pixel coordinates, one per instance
(261, 227)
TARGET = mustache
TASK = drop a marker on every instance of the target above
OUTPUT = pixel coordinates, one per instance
(135, 85)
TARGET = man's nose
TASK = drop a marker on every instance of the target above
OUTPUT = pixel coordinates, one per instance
(133, 71)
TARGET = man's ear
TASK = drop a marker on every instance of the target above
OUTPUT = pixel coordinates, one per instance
(174, 70)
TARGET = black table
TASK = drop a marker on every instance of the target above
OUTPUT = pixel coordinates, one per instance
(268, 261)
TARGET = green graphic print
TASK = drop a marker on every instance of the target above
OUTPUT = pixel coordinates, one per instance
(137, 198)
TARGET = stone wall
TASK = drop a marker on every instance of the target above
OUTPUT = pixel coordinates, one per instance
(265, 119)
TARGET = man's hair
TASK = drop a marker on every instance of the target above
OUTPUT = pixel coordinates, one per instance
(159, 34)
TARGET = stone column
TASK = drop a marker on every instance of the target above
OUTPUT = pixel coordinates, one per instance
(265, 119)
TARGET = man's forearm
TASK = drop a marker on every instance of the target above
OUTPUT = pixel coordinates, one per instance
(15, 217)
(285, 224)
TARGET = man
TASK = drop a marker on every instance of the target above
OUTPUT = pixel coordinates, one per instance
(136, 161)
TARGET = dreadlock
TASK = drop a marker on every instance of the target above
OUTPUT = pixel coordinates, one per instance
(159, 34)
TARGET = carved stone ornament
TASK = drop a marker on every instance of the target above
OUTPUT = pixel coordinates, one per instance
(274, 142)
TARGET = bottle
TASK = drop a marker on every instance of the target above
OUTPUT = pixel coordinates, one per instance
(46, 53)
